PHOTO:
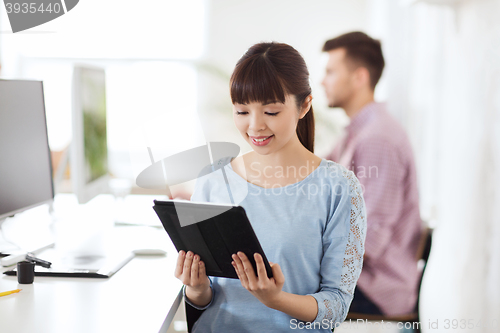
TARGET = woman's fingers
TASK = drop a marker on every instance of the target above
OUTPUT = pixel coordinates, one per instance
(191, 271)
(180, 264)
(236, 270)
(261, 268)
(278, 275)
(202, 272)
(240, 270)
(248, 270)
(186, 268)
(195, 267)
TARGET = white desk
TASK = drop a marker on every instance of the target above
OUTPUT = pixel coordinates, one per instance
(143, 296)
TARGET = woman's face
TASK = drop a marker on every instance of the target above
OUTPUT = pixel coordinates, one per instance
(268, 127)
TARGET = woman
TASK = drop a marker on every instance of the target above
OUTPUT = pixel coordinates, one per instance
(307, 212)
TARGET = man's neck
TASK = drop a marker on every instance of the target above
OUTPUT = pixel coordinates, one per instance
(357, 104)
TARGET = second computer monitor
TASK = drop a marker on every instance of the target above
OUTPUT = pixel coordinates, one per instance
(89, 150)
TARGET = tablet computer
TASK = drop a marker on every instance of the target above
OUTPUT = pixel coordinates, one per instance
(215, 239)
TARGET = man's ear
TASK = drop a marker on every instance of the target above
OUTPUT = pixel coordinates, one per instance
(306, 106)
(362, 77)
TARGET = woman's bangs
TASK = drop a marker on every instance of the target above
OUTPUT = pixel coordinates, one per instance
(255, 80)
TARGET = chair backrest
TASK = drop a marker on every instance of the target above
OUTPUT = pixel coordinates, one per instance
(424, 247)
(428, 244)
(423, 254)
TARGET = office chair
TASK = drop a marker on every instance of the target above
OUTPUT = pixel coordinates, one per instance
(422, 255)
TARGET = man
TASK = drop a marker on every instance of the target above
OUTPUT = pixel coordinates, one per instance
(376, 148)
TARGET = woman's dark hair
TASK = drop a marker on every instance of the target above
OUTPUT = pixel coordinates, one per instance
(268, 72)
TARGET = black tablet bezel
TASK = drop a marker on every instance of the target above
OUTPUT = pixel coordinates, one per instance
(231, 223)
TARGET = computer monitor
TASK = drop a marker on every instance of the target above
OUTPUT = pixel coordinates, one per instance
(25, 162)
(89, 150)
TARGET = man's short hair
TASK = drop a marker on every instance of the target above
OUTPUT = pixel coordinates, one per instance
(362, 51)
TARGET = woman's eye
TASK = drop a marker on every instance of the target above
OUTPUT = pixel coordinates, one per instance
(268, 113)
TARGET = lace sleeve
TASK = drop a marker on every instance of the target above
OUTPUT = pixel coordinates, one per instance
(355, 247)
(343, 254)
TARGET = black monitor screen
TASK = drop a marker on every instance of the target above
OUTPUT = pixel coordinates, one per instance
(25, 164)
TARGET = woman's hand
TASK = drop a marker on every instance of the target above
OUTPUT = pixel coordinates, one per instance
(191, 271)
(267, 290)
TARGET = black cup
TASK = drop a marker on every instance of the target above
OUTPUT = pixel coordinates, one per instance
(25, 272)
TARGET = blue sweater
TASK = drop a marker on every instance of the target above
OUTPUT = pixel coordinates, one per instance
(314, 229)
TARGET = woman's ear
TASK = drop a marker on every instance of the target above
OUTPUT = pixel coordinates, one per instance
(306, 106)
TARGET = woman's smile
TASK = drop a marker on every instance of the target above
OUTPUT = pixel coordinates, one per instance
(261, 140)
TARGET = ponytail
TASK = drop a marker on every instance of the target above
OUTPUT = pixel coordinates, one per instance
(305, 130)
